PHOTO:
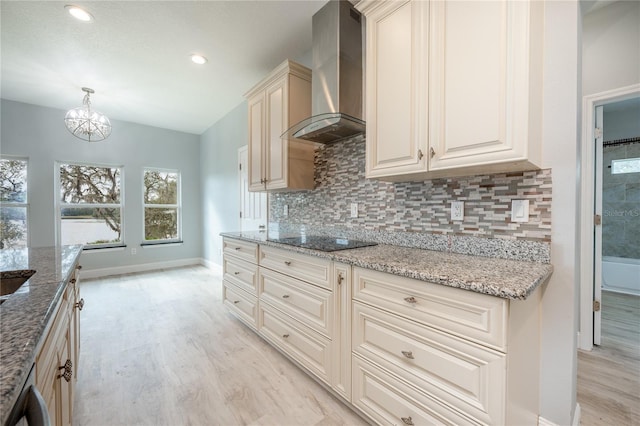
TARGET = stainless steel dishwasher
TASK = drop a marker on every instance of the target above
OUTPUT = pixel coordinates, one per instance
(30, 408)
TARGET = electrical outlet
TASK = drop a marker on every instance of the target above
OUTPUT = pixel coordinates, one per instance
(520, 211)
(285, 210)
(354, 209)
(457, 210)
(133, 251)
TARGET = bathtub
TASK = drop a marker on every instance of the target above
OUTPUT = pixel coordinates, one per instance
(621, 274)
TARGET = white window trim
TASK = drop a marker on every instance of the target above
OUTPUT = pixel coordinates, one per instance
(59, 205)
(166, 242)
(24, 205)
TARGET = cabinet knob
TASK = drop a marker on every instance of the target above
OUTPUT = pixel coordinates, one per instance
(285, 336)
(287, 262)
(68, 372)
(237, 248)
(340, 278)
(407, 420)
(79, 267)
(236, 302)
(420, 154)
(236, 273)
(72, 280)
(432, 152)
(285, 296)
(408, 354)
(410, 299)
(80, 304)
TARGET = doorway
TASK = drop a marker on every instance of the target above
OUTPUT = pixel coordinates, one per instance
(610, 209)
(253, 205)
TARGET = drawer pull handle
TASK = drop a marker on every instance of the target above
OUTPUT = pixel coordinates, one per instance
(285, 296)
(420, 155)
(340, 278)
(236, 301)
(79, 267)
(80, 304)
(236, 273)
(410, 299)
(408, 354)
(237, 248)
(72, 280)
(287, 262)
(285, 335)
(68, 372)
(407, 420)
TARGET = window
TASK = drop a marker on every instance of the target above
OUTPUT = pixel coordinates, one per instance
(161, 200)
(90, 205)
(13, 203)
(625, 165)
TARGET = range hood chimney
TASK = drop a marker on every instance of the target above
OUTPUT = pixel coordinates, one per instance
(336, 86)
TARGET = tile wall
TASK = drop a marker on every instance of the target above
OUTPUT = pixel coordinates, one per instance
(417, 214)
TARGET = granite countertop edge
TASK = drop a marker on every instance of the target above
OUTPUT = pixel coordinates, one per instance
(507, 279)
(24, 318)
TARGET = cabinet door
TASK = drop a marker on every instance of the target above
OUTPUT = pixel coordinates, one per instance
(479, 83)
(396, 89)
(341, 337)
(277, 148)
(256, 143)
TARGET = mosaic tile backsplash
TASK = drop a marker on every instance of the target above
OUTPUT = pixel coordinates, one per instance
(417, 214)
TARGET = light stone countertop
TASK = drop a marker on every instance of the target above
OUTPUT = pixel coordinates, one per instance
(508, 279)
(25, 314)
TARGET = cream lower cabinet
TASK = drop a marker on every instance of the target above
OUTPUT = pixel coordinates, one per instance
(279, 101)
(428, 354)
(240, 280)
(57, 359)
(452, 88)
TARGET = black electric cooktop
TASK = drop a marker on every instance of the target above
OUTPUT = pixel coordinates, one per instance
(322, 243)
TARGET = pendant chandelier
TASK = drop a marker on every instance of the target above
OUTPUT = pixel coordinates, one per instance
(85, 123)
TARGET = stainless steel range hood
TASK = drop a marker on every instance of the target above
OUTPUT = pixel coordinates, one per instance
(336, 87)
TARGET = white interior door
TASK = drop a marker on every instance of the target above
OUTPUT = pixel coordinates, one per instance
(253, 205)
(597, 261)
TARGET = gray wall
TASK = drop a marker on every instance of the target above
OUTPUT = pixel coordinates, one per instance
(38, 133)
(219, 179)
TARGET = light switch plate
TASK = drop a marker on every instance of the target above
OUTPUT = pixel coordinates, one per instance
(457, 210)
(520, 211)
(354, 209)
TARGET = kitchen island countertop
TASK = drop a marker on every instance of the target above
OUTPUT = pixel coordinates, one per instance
(509, 279)
(26, 313)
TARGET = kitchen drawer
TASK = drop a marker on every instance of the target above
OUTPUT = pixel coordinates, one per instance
(308, 268)
(241, 304)
(389, 401)
(241, 273)
(474, 316)
(53, 344)
(306, 303)
(241, 249)
(454, 371)
(304, 345)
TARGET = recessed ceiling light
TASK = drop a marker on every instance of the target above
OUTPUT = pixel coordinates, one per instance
(79, 13)
(198, 59)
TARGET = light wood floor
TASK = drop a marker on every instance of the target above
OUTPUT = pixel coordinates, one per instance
(609, 375)
(160, 349)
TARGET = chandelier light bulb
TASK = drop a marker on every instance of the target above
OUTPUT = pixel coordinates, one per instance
(85, 123)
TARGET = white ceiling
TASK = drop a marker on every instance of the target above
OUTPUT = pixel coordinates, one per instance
(135, 55)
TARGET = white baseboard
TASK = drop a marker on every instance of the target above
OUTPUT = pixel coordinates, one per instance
(211, 265)
(576, 419)
(129, 269)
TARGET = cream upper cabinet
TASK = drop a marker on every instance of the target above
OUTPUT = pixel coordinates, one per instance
(279, 101)
(453, 87)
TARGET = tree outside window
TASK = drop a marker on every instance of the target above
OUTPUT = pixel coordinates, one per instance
(13, 203)
(161, 200)
(90, 205)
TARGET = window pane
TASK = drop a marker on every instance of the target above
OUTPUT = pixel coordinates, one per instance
(89, 184)
(13, 227)
(160, 187)
(625, 165)
(13, 181)
(91, 226)
(160, 223)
